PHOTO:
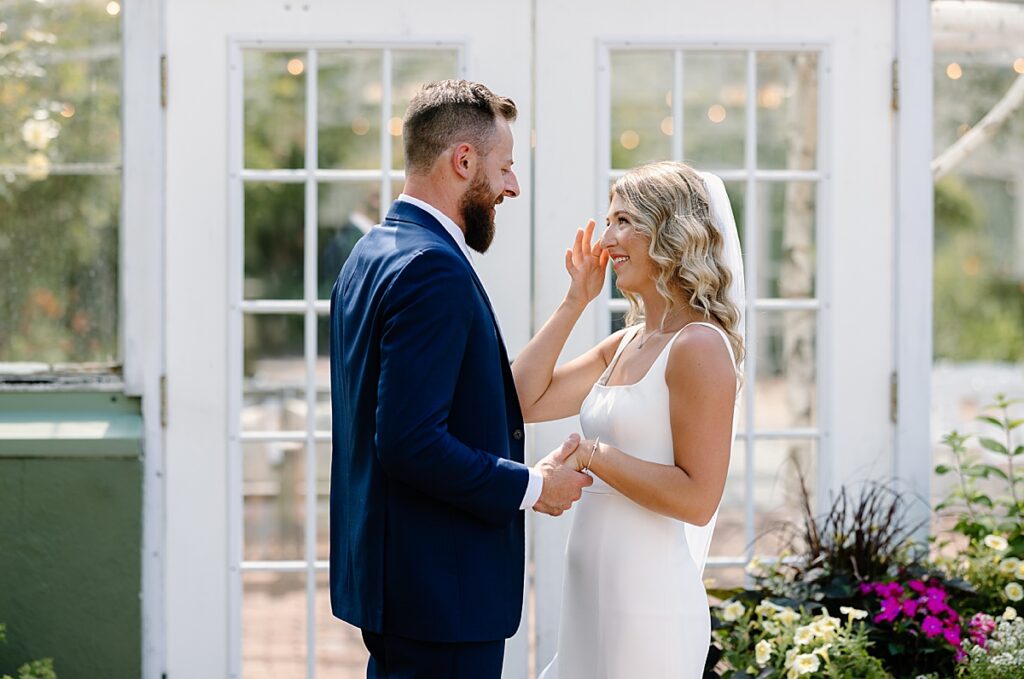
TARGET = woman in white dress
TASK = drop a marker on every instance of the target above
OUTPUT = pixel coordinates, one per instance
(656, 402)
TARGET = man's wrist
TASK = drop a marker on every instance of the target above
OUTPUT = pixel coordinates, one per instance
(534, 488)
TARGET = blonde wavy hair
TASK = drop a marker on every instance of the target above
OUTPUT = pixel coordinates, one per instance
(668, 203)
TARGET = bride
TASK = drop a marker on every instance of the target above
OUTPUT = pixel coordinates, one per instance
(656, 402)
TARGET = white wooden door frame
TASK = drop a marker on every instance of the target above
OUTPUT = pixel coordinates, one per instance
(200, 547)
(858, 43)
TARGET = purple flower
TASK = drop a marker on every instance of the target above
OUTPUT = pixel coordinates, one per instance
(932, 626)
(910, 607)
(952, 636)
(917, 586)
(890, 609)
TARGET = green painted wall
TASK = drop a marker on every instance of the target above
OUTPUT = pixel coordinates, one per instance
(71, 532)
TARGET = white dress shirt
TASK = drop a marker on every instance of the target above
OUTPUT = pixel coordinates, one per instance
(536, 482)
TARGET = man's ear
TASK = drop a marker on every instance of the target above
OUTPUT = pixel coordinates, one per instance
(463, 160)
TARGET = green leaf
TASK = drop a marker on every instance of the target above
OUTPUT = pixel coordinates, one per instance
(991, 420)
(942, 469)
(993, 445)
(996, 471)
(983, 500)
(1019, 450)
(1016, 423)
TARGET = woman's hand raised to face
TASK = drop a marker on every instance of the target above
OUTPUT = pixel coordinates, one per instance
(586, 264)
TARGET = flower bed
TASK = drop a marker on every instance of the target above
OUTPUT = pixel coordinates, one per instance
(856, 596)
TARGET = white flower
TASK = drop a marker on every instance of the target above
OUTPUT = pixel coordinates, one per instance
(1009, 566)
(733, 611)
(1020, 571)
(803, 635)
(806, 663)
(766, 608)
(786, 615)
(39, 133)
(823, 651)
(772, 628)
(754, 566)
(824, 628)
(1010, 613)
(1014, 592)
(996, 542)
(853, 613)
(763, 652)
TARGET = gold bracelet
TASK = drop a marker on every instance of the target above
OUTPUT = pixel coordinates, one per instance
(586, 467)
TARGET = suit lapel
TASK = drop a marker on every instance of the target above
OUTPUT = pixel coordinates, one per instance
(402, 211)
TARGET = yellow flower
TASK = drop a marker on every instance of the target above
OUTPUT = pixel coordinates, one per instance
(1009, 566)
(763, 652)
(38, 166)
(1014, 592)
(1010, 614)
(733, 611)
(803, 635)
(806, 663)
(823, 651)
(709, 583)
(786, 615)
(853, 613)
(996, 542)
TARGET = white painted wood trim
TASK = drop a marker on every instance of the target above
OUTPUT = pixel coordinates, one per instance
(913, 232)
(141, 293)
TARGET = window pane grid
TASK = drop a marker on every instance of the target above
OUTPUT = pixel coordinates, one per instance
(304, 67)
(752, 178)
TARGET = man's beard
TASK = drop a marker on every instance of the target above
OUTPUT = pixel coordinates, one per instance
(475, 208)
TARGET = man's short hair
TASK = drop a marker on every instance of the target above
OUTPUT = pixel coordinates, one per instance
(448, 112)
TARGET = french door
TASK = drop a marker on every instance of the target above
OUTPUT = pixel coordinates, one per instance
(284, 146)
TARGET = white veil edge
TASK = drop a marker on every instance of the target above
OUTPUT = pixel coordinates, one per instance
(698, 538)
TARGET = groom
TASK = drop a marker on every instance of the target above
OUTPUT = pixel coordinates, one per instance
(427, 477)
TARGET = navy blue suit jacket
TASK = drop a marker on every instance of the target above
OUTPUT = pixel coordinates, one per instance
(427, 537)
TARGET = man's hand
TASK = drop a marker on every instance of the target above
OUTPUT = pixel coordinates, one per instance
(563, 485)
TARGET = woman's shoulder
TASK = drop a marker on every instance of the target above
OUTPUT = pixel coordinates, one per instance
(700, 351)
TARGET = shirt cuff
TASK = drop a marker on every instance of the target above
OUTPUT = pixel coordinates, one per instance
(533, 489)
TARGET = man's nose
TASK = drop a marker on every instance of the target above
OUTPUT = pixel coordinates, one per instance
(511, 185)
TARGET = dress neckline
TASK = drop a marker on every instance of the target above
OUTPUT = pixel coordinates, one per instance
(603, 381)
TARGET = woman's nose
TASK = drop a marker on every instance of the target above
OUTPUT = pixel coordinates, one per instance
(605, 239)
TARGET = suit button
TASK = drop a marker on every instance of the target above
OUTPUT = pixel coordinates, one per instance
(518, 434)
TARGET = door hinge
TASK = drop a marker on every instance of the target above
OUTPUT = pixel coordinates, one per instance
(895, 85)
(163, 81)
(163, 401)
(894, 391)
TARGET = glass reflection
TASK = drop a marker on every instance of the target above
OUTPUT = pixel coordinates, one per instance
(641, 102)
(349, 100)
(274, 239)
(787, 110)
(786, 382)
(273, 625)
(714, 117)
(274, 373)
(274, 110)
(274, 500)
(778, 495)
(346, 212)
(787, 259)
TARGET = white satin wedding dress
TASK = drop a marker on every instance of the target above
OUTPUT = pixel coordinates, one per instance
(633, 604)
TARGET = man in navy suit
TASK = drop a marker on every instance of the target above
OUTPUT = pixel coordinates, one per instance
(428, 484)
